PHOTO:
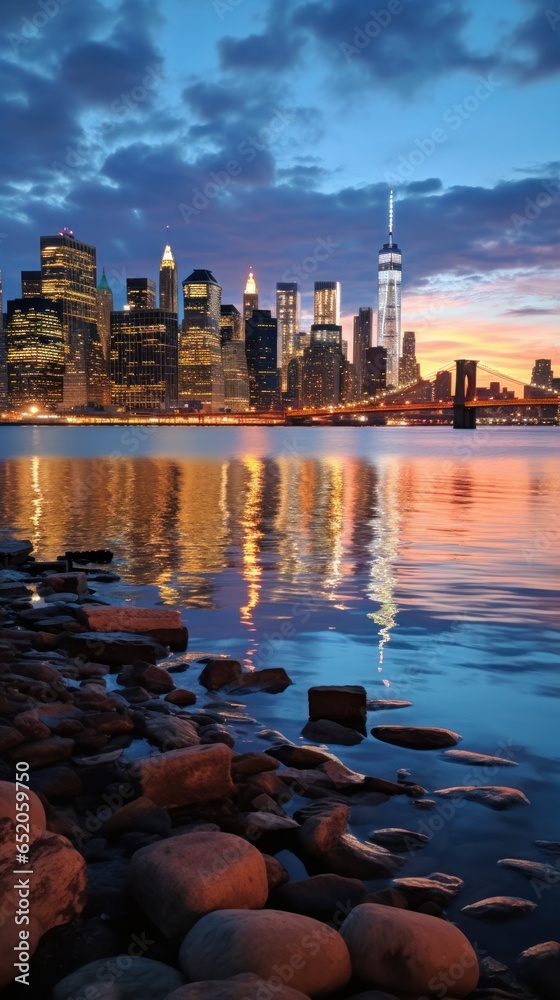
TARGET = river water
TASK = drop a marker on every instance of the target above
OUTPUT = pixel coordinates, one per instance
(421, 563)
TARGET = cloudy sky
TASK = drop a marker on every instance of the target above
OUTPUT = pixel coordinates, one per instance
(269, 133)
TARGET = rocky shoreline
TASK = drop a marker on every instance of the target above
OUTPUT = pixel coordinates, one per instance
(152, 845)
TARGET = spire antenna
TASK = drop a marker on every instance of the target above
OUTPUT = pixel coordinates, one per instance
(391, 218)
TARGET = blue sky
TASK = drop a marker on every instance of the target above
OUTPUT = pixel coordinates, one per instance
(262, 131)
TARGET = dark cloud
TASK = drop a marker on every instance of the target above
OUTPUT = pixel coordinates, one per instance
(535, 43)
(531, 311)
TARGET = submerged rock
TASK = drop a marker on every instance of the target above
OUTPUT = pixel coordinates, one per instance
(416, 737)
(399, 840)
(494, 796)
(499, 908)
(532, 869)
(266, 942)
(324, 731)
(540, 968)
(409, 952)
(343, 704)
(323, 835)
(550, 846)
(438, 888)
(385, 704)
(478, 759)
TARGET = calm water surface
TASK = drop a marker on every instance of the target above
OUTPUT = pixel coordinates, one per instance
(423, 564)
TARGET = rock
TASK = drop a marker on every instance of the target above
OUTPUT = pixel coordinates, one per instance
(493, 796)
(247, 764)
(186, 777)
(273, 680)
(499, 908)
(179, 880)
(399, 840)
(532, 870)
(424, 804)
(163, 624)
(121, 977)
(14, 553)
(478, 759)
(107, 889)
(244, 987)
(229, 674)
(9, 808)
(387, 897)
(58, 894)
(219, 673)
(328, 898)
(113, 648)
(275, 873)
(385, 704)
(216, 734)
(57, 783)
(540, 968)
(308, 955)
(343, 704)
(436, 888)
(416, 737)
(9, 738)
(67, 583)
(155, 679)
(139, 816)
(323, 835)
(181, 697)
(170, 732)
(551, 846)
(43, 752)
(299, 756)
(324, 731)
(409, 952)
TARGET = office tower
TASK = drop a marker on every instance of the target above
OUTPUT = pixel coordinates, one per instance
(327, 333)
(261, 345)
(321, 375)
(31, 284)
(542, 374)
(389, 303)
(201, 373)
(3, 359)
(104, 310)
(363, 329)
(327, 302)
(301, 342)
(236, 376)
(287, 314)
(168, 282)
(409, 369)
(376, 371)
(35, 353)
(250, 297)
(293, 389)
(232, 326)
(442, 386)
(141, 293)
(68, 276)
(555, 385)
(143, 359)
(348, 382)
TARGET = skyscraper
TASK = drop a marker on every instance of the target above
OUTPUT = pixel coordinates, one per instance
(141, 293)
(143, 356)
(232, 326)
(287, 313)
(409, 369)
(321, 375)
(201, 373)
(31, 286)
(363, 328)
(250, 297)
(327, 302)
(68, 273)
(261, 345)
(389, 303)
(104, 310)
(442, 386)
(35, 353)
(542, 374)
(168, 282)
(3, 358)
(236, 376)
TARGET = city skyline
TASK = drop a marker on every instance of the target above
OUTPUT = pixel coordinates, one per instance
(285, 172)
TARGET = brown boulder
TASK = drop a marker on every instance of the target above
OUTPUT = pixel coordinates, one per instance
(155, 679)
(113, 648)
(416, 737)
(191, 776)
(67, 583)
(344, 704)
(244, 987)
(163, 624)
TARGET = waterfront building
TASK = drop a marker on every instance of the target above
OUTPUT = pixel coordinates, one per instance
(104, 309)
(321, 375)
(232, 326)
(389, 302)
(236, 376)
(292, 396)
(542, 374)
(31, 286)
(375, 371)
(409, 369)
(201, 373)
(168, 282)
(327, 300)
(144, 359)
(35, 354)
(261, 345)
(141, 293)
(363, 332)
(250, 297)
(287, 313)
(3, 359)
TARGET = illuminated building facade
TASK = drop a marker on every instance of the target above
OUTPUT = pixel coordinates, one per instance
(293, 389)
(31, 285)
(363, 330)
(327, 303)
(232, 326)
(3, 360)
(321, 375)
(375, 371)
(168, 282)
(442, 386)
(143, 359)
(250, 297)
(389, 303)
(327, 333)
(141, 293)
(542, 374)
(261, 345)
(409, 369)
(104, 310)
(35, 354)
(68, 276)
(236, 376)
(201, 373)
(287, 313)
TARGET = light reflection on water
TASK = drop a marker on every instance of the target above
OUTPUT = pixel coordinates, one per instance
(422, 564)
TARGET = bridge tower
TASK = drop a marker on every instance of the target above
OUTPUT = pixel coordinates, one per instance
(464, 416)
